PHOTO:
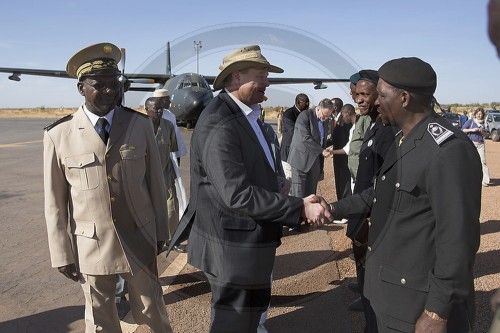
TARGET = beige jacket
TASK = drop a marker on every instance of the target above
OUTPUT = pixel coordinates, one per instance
(104, 205)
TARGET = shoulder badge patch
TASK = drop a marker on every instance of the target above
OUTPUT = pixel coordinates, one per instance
(438, 132)
(59, 121)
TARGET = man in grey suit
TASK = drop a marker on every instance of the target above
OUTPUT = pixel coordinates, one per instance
(236, 212)
(308, 148)
(105, 205)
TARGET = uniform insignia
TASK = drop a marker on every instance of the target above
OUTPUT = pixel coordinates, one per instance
(370, 143)
(57, 122)
(438, 132)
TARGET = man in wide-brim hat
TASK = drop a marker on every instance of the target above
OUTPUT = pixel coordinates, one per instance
(236, 213)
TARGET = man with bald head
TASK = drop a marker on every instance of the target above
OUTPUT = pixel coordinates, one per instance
(424, 226)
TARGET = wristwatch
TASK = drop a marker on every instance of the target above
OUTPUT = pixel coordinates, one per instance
(434, 315)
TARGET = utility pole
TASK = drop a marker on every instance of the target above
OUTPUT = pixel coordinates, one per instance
(197, 47)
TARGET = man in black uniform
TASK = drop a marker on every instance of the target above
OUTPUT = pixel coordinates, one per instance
(424, 227)
(340, 137)
(376, 142)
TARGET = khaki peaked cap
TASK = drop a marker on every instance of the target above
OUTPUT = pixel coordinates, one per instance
(99, 58)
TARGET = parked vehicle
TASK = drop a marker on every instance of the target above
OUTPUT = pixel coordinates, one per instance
(493, 123)
(453, 118)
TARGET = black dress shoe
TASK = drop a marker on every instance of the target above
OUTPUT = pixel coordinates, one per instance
(122, 308)
(179, 248)
(356, 305)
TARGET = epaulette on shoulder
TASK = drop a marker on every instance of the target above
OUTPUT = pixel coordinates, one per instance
(132, 110)
(59, 121)
(438, 132)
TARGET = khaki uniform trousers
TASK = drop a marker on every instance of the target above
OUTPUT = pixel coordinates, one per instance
(172, 208)
(145, 296)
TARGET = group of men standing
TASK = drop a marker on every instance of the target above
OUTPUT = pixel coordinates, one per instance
(106, 213)
(404, 241)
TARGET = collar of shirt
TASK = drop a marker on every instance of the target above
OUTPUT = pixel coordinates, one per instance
(94, 118)
(252, 114)
(320, 128)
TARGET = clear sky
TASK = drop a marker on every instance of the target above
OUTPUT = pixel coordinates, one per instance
(450, 35)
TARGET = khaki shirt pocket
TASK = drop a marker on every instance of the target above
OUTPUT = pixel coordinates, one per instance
(134, 162)
(85, 229)
(82, 171)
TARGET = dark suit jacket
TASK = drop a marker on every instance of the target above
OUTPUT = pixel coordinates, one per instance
(306, 147)
(424, 230)
(340, 137)
(289, 119)
(235, 208)
(376, 143)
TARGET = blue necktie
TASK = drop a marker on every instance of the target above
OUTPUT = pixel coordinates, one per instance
(102, 123)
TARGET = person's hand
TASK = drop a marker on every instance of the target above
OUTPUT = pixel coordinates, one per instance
(318, 199)
(426, 324)
(284, 185)
(316, 211)
(70, 272)
(327, 152)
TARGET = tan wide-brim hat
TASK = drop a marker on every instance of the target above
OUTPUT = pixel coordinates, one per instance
(99, 58)
(160, 93)
(245, 57)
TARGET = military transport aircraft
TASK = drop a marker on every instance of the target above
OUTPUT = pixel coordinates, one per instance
(189, 93)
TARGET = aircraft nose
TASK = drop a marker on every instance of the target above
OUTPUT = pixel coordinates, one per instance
(196, 102)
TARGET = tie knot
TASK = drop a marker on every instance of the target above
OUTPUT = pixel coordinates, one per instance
(102, 123)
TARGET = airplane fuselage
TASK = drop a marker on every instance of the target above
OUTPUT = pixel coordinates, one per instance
(189, 95)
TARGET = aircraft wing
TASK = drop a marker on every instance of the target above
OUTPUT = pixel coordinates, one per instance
(16, 72)
(288, 80)
(139, 78)
(317, 82)
(159, 78)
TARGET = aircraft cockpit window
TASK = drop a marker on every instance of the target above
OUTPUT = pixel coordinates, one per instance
(183, 84)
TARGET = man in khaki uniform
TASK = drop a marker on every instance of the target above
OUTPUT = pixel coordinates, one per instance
(104, 206)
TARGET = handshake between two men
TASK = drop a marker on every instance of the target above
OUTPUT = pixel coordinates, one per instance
(316, 211)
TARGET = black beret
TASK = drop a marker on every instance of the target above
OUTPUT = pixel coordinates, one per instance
(354, 78)
(410, 74)
(368, 75)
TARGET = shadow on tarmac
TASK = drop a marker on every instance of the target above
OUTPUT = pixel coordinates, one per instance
(55, 321)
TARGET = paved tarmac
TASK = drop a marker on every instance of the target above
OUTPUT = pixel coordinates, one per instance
(309, 280)
(36, 298)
